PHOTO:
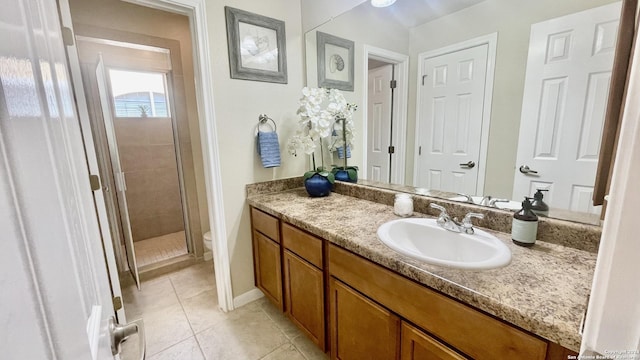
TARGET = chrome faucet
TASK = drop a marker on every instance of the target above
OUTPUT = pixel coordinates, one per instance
(490, 201)
(468, 197)
(446, 222)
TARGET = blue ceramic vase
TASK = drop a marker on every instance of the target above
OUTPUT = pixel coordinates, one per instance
(343, 175)
(318, 186)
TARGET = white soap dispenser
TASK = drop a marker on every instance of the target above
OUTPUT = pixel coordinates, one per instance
(524, 228)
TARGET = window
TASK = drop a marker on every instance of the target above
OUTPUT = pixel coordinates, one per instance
(139, 94)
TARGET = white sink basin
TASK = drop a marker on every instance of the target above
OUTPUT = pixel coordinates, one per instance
(423, 239)
(511, 205)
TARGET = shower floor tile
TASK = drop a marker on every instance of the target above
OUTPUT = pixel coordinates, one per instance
(160, 248)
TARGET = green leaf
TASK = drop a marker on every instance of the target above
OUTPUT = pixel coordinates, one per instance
(353, 174)
(309, 174)
(331, 178)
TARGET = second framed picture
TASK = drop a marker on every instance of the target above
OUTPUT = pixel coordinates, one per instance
(335, 62)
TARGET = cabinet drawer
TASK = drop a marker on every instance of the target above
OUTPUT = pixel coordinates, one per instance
(302, 244)
(266, 224)
(466, 329)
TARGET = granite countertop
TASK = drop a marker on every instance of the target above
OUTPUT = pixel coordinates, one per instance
(543, 290)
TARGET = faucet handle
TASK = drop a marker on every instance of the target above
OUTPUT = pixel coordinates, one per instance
(444, 216)
(438, 207)
(468, 197)
(493, 202)
(467, 224)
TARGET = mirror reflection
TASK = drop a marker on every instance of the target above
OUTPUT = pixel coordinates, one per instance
(493, 99)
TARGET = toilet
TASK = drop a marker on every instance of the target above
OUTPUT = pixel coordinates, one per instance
(206, 239)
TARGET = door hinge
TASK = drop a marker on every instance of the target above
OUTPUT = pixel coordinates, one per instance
(419, 150)
(392, 149)
(393, 84)
(423, 77)
(94, 180)
(117, 303)
(67, 36)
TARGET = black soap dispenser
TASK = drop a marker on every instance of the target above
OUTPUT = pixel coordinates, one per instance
(524, 228)
(538, 206)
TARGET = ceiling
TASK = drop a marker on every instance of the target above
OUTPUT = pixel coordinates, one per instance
(408, 12)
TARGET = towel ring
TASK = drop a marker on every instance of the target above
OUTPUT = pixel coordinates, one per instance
(262, 120)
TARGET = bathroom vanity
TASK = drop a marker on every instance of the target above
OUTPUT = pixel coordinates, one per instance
(319, 260)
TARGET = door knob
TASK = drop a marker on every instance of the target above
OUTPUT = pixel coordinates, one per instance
(120, 333)
(469, 165)
(526, 170)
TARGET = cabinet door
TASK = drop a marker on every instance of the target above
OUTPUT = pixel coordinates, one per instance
(268, 271)
(416, 345)
(304, 296)
(360, 328)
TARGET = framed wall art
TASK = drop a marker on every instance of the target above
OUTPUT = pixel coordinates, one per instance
(335, 62)
(257, 46)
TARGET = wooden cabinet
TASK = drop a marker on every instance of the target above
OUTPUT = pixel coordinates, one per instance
(360, 328)
(416, 345)
(374, 312)
(304, 297)
(267, 263)
(468, 330)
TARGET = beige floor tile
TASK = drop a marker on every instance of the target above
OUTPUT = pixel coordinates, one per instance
(281, 320)
(165, 328)
(202, 310)
(308, 348)
(285, 352)
(247, 333)
(186, 350)
(160, 248)
(194, 280)
(155, 294)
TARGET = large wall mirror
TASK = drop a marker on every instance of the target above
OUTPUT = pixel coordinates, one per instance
(492, 98)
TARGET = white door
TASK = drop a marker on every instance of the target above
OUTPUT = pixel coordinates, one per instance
(565, 99)
(451, 115)
(56, 300)
(118, 174)
(379, 123)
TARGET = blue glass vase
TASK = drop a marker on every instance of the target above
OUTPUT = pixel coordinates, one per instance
(318, 186)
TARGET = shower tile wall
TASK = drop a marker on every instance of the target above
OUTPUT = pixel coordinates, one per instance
(148, 159)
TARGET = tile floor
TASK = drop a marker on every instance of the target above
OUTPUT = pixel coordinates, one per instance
(182, 321)
(152, 250)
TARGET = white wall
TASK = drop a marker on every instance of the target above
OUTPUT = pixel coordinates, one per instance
(364, 26)
(316, 13)
(513, 43)
(237, 105)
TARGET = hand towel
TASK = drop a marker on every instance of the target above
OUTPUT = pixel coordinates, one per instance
(269, 149)
(341, 152)
(340, 149)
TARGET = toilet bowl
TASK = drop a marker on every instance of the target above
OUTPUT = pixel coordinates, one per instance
(206, 239)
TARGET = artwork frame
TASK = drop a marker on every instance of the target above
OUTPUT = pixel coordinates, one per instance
(257, 46)
(335, 55)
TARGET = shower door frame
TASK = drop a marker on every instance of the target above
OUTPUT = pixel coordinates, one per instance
(102, 143)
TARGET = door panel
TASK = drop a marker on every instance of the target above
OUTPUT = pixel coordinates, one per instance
(48, 216)
(379, 123)
(304, 294)
(119, 175)
(452, 103)
(564, 106)
(416, 345)
(360, 328)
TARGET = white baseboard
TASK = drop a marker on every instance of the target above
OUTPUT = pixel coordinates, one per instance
(243, 299)
(207, 256)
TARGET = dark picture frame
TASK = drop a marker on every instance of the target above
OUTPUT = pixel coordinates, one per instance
(335, 62)
(257, 46)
